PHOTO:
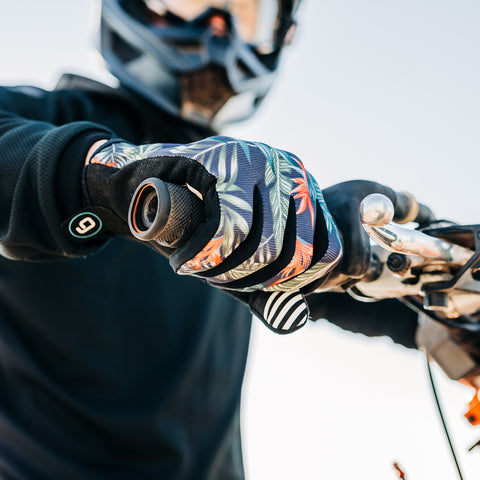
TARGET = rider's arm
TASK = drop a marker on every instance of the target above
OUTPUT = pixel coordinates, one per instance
(383, 318)
(43, 143)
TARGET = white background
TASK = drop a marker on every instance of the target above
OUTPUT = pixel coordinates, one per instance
(384, 90)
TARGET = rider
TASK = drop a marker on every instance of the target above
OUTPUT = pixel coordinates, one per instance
(113, 366)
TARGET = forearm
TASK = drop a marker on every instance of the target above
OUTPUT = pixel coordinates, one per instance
(384, 318)
(39, 181)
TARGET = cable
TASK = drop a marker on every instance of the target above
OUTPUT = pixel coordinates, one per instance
(442, 418)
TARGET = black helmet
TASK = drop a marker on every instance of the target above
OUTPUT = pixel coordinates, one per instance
(210, 62)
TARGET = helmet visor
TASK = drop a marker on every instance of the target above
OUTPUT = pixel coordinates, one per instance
(255, 21)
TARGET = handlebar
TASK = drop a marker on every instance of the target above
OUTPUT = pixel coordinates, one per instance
(434, 277)
(407, 209)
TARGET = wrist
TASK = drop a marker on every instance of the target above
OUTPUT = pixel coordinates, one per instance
(69, 171)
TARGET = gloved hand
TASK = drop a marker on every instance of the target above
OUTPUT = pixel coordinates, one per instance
(267, 228)
(343, 201)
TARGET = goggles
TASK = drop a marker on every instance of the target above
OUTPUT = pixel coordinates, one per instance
(256, 22)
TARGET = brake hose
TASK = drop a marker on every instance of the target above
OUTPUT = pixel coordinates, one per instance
(442, 418)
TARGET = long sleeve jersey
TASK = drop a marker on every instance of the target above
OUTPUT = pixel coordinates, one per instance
(111, 366)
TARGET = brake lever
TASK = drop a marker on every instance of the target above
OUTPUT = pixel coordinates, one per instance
(376, 215)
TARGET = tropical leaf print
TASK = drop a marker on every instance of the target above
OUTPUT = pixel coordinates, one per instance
(314, 272)
(303, 194)
(299, 263)
(284, 177)
(209, 257)
(194, 149)
(279, 186)
(119, 154)
(263, 256)
(224, 158)
(330, 223)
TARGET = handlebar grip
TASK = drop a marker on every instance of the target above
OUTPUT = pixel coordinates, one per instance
(164, 212)
(407, 209)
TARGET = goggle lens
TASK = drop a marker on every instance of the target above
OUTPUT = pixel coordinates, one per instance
(256, 21)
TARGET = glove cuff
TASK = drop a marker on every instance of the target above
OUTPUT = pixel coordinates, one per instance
(69, 171)
(94, 224)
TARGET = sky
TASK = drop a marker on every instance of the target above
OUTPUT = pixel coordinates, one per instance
(381, 90)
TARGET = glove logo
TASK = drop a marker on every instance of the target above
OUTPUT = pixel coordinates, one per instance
(84, 225)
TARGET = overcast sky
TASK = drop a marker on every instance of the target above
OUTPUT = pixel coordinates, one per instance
(384, 90)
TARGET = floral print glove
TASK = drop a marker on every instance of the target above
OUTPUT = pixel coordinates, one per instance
(267, 226)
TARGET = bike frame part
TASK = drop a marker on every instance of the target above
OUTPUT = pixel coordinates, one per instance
(434, 276)
(458, 365)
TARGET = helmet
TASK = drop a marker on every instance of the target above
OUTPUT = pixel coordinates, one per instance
(210, 62)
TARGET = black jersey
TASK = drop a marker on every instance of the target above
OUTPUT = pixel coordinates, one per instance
(111, 366)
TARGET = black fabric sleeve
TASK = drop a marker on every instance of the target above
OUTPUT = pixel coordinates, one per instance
(383, 318)
(42, 136)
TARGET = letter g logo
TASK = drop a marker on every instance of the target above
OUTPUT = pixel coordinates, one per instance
(85, 225)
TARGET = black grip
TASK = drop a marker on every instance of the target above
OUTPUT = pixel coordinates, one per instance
(407, 209)
(164, 212)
